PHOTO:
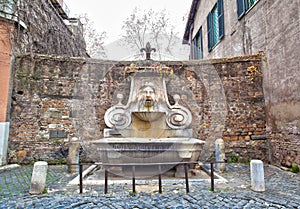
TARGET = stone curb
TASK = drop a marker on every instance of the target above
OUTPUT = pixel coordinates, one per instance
(9, 167)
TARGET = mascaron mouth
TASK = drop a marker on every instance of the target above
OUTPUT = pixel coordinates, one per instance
(148, 102)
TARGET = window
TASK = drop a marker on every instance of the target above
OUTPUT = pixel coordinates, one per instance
(198, 45)
(243, 6)
(215, 25)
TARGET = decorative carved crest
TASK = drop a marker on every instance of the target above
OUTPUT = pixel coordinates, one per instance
(148, 50)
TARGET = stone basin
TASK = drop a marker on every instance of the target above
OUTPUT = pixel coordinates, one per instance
(147, 129)
(149, 116)
(148, 150)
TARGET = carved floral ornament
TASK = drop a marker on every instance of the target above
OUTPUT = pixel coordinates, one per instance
(161, 69)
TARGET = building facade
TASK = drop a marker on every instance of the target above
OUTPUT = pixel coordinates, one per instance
(225, 28)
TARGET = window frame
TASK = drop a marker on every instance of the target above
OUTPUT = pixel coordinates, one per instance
(212, 41)
(198, 45)
(243, 7)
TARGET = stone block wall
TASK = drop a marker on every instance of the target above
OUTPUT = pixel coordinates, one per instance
(57, 100)
(46, 32)
(31, 26)
(46, 106)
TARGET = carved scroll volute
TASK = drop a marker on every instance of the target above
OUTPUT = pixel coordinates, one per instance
(179, 117)
(117, 116)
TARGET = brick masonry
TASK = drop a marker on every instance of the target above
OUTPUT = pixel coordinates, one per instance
(41, 30)
(32, 26)
(46, 31)
(261, 29)
(59, 99)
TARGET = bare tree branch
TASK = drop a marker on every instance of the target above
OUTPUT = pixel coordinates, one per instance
(155, 27)
(94, 40)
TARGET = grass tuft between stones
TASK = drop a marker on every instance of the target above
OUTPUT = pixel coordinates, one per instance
(295, 168)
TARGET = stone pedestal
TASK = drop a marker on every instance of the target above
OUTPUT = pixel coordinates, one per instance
(4, 134)
(257, 176)
(38, 179)
(220, 154)
(73, 157)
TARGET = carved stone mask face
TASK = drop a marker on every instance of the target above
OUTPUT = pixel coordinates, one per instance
(147, 94)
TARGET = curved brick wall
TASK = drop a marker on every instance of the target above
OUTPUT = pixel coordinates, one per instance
(58, 99)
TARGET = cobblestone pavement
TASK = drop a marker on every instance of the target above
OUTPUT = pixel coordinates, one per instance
(282, 191)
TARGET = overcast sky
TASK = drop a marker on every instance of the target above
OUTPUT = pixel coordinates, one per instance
(108, 15)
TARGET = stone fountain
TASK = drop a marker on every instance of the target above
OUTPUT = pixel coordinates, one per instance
(147, 128)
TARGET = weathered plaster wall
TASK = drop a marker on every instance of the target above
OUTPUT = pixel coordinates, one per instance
(58, 99)
(6, 33)
(272, 26)
(282, 82)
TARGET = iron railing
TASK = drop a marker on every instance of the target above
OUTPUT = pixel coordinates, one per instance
(133, 166)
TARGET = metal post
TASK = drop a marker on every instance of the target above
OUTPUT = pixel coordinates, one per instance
(212, 185)
(159, 179)
(133, 179)
(186, 178)
(80, 178)
(106, 183)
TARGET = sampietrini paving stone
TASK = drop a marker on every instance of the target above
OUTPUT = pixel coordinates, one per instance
(282, 191)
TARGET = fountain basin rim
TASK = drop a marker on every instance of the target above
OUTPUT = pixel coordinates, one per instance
(181, 140)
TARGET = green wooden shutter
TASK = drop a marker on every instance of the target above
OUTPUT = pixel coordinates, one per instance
(195, 47)
(215, 26)
(209, 31)
(221, 19)
(241, 8)
(251, 2)
(200, 43)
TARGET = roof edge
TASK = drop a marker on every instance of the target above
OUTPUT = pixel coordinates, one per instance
(190, 21)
